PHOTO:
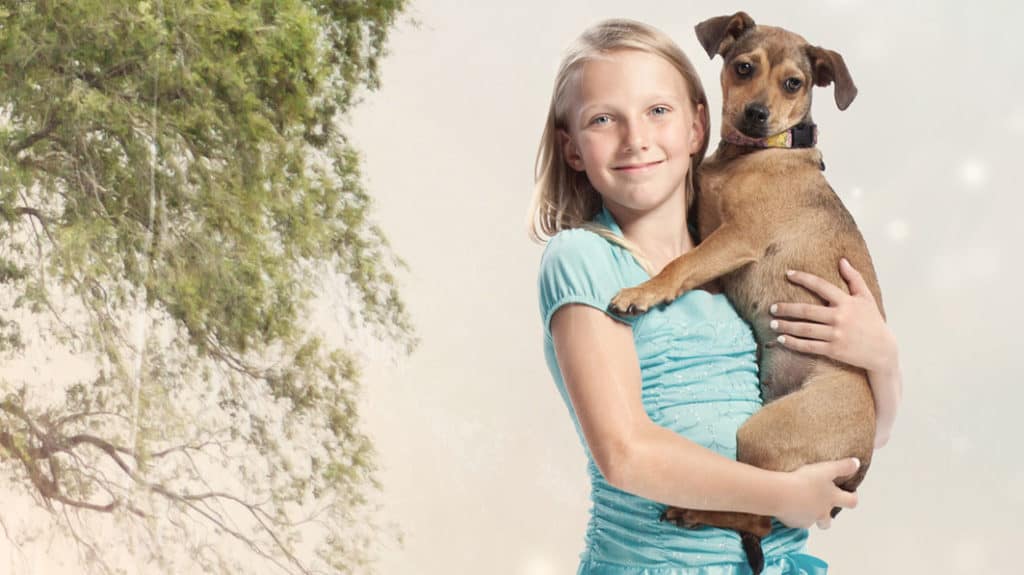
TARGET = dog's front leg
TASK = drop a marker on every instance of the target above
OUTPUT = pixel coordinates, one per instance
(725, 250)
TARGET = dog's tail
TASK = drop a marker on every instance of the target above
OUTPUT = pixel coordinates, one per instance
(755, 555)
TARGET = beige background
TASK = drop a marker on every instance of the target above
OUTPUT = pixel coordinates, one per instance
(481, 465)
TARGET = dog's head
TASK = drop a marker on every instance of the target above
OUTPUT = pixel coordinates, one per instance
(768, 74)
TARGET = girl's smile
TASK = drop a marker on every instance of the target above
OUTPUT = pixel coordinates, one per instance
(638, 168)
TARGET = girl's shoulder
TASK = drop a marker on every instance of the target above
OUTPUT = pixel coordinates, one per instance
(580, 266)
(579, 255)
(577, 243)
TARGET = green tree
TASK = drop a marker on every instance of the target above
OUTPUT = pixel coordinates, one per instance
(176, 192)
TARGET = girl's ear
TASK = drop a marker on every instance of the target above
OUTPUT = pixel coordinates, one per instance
(570, 152)
(698, 129)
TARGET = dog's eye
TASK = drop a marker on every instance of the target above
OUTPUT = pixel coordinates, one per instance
(793, 84)
(744, 69)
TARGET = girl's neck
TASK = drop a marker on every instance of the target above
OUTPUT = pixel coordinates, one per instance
(661, 233)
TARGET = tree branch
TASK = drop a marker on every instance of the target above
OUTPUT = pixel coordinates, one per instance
(27, 211)
(31, 140)
(51, 443)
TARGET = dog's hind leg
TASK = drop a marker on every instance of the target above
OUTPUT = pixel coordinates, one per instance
(690, 518)
(831, 417)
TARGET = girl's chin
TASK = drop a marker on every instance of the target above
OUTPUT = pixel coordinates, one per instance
(643, 202)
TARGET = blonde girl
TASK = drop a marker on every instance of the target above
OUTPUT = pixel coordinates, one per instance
(657, 399)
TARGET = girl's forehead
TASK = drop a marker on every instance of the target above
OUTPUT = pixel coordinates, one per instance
(628, 73)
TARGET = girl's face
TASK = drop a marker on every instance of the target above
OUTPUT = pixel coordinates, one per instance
(632, 128)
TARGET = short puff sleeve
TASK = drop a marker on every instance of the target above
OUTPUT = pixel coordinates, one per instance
(578, 266)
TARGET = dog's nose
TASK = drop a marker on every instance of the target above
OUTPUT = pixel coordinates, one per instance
(756, 114)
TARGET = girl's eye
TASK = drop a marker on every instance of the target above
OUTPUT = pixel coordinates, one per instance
(601, 120)
(793, 84)
(744, 69)
(659, 110)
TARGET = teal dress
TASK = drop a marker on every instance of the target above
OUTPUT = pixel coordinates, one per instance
(699, 379)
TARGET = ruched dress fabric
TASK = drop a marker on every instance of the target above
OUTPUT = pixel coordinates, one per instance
(699, 379)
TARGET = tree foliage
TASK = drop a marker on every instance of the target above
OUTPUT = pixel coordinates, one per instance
(175, 191)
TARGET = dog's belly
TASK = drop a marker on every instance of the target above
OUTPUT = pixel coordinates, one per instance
(752, 290)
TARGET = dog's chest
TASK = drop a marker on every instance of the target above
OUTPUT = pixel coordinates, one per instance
(758, 188)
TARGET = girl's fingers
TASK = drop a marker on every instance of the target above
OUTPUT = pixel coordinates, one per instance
(847, 500)
(854, 280)
(811, 346)
(812, 312)
(844, 468)
(824, 288)
(805, 330)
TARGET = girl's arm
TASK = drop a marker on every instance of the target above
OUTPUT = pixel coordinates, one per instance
(601, 371)
(850, 329)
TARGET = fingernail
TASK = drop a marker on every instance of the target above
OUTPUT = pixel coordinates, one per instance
(774, 308)
(781, 339)
(845, 261)
(774, 324)
(856, 461)
(789, 272)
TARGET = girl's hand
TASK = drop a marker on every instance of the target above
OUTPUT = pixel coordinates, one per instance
(814, 493)
(849, 329)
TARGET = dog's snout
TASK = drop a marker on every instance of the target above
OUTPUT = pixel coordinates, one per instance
(756, 114)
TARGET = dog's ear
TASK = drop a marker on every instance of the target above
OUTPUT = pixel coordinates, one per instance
(827, 67)
(717, 34)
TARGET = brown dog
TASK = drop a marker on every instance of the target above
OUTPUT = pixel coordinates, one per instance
(761, 210)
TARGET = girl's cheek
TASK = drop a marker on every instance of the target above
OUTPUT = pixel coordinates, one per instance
(591, 148)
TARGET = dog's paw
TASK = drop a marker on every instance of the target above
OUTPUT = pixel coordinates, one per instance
(637, 300)
(680, 517)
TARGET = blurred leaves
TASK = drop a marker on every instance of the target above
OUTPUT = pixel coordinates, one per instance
(175, 188)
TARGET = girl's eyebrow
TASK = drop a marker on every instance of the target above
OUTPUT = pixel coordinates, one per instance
(585, 111)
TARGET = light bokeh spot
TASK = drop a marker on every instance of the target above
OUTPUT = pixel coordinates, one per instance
(974, 173)
(898, 230)
(539, 565)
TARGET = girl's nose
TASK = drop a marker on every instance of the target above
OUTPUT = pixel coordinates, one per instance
(636, 137)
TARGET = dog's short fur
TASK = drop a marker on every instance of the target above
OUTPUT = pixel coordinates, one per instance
(761, 211)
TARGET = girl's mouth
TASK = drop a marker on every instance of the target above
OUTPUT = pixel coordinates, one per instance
(637, 167)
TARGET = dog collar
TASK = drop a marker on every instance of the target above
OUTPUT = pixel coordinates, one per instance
(799, 136)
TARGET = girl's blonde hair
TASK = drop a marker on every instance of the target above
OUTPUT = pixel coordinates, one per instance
(564, 198)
